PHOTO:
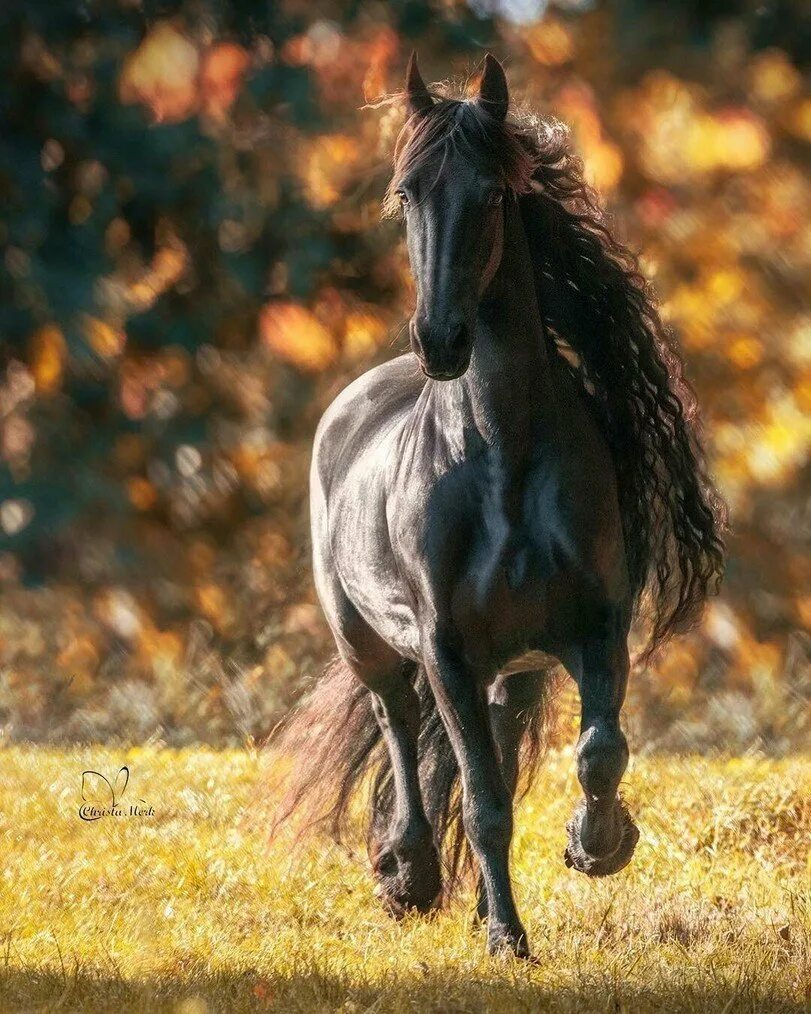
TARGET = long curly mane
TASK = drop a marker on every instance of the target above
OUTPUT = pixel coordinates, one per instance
(601, 316)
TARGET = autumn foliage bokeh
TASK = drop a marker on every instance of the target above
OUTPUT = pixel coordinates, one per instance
(193, 264)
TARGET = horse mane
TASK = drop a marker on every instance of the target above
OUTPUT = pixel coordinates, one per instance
(596, 303)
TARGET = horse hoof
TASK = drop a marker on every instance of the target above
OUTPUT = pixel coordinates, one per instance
(576, 857)
(407, 883)
(503, 942)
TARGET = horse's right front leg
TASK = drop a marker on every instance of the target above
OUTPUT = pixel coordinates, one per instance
(404, 857)
(405, 861)
(486, 801)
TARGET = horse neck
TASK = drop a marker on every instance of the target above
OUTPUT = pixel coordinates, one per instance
(506, 392)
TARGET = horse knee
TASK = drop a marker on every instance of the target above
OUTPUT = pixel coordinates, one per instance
(602, 756)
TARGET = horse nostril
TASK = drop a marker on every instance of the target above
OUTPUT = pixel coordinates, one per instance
(414, 336)
(457, 337)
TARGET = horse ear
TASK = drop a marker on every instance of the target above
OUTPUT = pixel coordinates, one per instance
(419, 101)
(494, 96)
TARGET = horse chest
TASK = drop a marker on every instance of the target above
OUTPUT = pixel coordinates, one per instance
(523, 585)
(525, 602)
(505, 549)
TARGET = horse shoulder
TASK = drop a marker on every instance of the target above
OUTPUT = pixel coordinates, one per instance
(361, 413)
(354, 444)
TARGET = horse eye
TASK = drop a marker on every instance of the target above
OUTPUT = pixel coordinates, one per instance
(402, 198)
(495, 197)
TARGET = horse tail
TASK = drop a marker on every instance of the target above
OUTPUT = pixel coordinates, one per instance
(333, 745)
(323, 751)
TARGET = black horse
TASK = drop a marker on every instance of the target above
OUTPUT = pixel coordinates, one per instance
(511, 495)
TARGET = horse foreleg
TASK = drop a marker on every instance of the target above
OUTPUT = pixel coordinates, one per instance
(512, 702)
(405, 861)
(602, 836)
(486, 800)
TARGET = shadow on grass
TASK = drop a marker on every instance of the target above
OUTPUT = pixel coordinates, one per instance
(509, 989)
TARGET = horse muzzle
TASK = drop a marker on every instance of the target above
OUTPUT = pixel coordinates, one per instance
(443, 350)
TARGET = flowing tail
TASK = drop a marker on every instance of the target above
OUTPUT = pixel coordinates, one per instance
(333, 745)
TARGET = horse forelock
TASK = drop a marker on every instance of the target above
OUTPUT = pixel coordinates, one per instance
(463, 126)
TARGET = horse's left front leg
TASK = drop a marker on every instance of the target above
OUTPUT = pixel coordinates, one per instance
(602, 836)
(513, 700)
(486, 801)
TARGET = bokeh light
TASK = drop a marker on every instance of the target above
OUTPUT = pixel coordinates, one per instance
(193, 265)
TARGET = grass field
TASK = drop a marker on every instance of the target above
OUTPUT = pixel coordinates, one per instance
(186, 910)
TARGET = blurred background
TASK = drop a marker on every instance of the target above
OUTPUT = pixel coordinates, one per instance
(192, 264)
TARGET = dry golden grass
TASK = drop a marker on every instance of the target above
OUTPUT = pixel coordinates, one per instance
(187, 911)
